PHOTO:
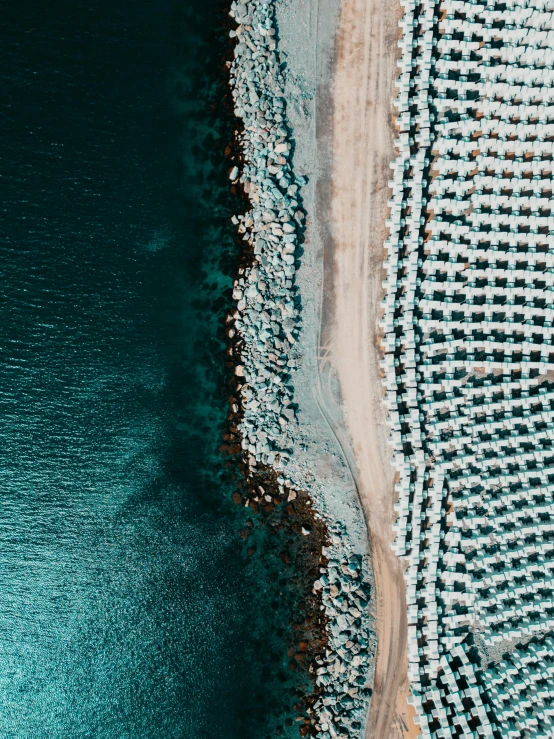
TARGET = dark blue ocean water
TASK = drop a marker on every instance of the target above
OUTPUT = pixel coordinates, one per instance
(128, 607)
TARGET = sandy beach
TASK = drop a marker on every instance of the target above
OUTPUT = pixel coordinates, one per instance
(362, 144)
(345, 65)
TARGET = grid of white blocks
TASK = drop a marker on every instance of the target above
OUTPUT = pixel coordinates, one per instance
(469, 361)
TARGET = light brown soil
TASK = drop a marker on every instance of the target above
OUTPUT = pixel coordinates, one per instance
(405, 714)
(362, 141)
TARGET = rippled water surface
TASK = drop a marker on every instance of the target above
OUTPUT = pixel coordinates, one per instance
(125, 598)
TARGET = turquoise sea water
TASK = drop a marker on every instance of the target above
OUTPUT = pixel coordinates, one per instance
(128, 607)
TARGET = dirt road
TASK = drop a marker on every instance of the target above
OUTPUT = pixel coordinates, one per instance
(362, 148)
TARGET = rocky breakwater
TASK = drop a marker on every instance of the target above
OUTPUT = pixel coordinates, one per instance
(344, 672)
(266, 316)
(264, 331)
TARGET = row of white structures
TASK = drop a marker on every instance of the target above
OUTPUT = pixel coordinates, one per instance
(469, 362)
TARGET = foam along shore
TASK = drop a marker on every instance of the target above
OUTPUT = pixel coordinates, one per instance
(265, 330)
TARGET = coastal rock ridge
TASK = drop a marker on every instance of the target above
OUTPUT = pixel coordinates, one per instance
(264, 329)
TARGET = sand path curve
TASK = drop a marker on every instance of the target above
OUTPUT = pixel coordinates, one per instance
(362, 148)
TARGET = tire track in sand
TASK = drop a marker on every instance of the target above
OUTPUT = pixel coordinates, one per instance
(361, 137)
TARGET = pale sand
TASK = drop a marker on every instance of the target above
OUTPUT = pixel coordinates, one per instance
(362, 143)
